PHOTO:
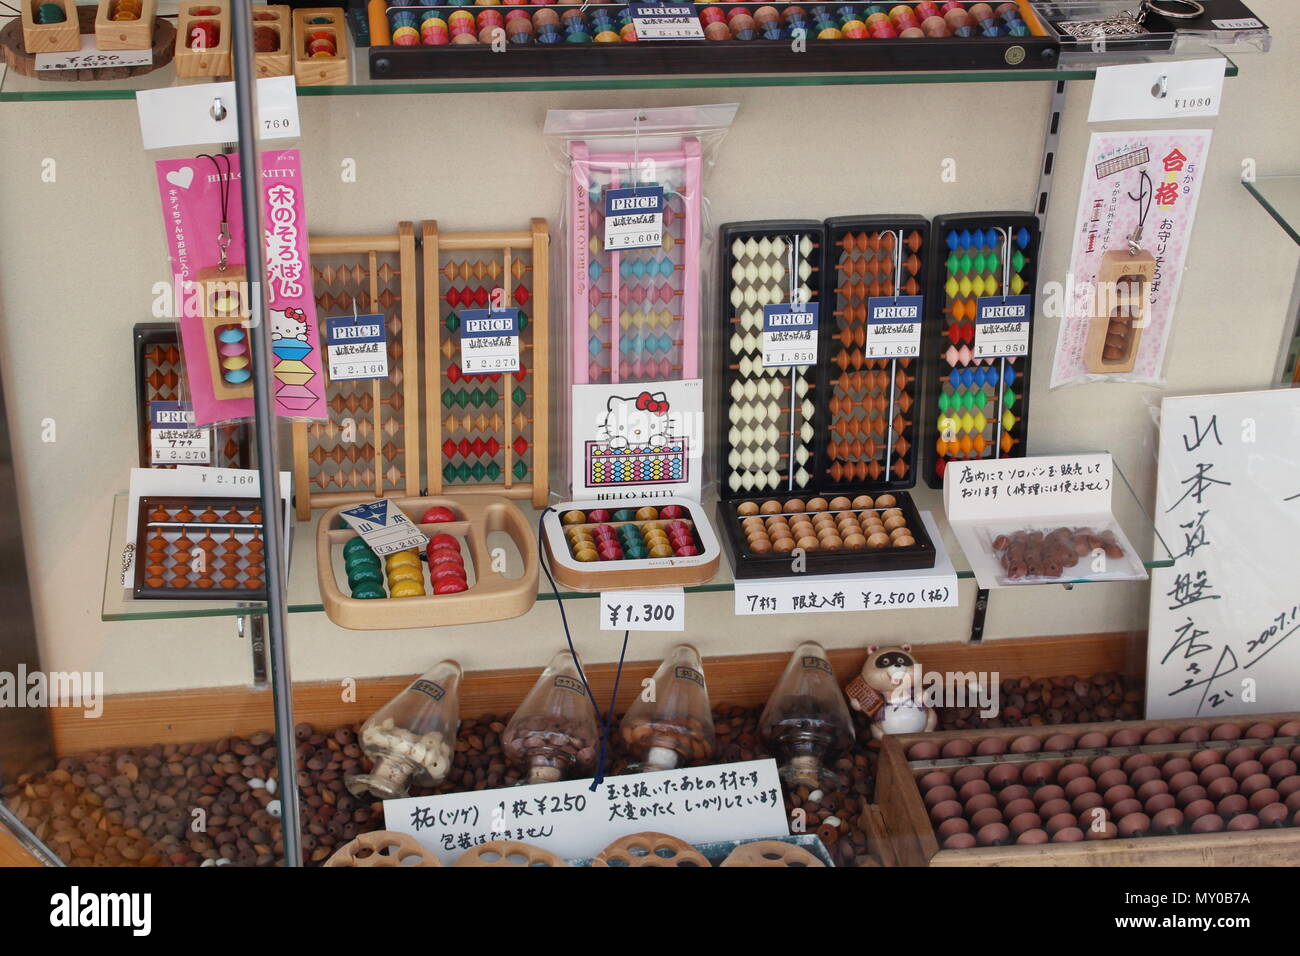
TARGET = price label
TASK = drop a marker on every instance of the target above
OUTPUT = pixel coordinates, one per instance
(385, 527)
(489, 341)
(183, 115)
(655, 609)
(356, 347)
(790, 334)
(634, 217)
(666, 21)
(90, 57)
(894, 327)
(173, 437)
(1241, 23)
(1199, 102)
(865, 593)
(1002, 326)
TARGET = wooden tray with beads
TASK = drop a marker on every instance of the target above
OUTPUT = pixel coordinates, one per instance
(22, 60)
(369, 447)
(273, 40)
(491, 595)
(849, 546)
(907, 759)
(174, 559)
(114, 33)
(203, 39)
(322, 50)
(487, 433)
(960, 275)
(691, 556)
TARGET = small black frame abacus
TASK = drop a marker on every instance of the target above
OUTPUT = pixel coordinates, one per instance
(225, 562)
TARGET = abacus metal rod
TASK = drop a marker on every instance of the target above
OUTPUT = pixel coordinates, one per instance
(264, 421)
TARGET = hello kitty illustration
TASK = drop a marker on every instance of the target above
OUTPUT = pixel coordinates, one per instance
(288, 324)
(638, 421)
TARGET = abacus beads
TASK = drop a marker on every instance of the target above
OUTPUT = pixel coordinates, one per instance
(122, 10)
(233, 347)
(857, 524)
(628, 534)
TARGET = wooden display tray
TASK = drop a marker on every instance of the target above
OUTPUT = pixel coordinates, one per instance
(211, 61)
(914, 841)
(321, 71)
(279, 62)
(492, 596)
(22, 60)
(642, 573)
(113, 34)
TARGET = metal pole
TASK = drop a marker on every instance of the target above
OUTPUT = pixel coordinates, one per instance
(264, 423)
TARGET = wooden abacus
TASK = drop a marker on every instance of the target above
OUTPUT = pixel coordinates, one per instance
(118, 34)
(223, 296)
(61, 37)
(515, 400)
(226, 562)
(370, 445)
(203, 39)
(1121, 311)
(491, 597)
(330, 64)
(275, 18)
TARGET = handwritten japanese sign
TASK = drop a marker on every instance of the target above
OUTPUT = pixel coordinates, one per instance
(1224, 634)
(737, 801)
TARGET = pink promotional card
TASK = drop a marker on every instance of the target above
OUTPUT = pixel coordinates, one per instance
(1149, 179)
(195, 192)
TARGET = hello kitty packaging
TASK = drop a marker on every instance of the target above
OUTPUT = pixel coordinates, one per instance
(191, 192)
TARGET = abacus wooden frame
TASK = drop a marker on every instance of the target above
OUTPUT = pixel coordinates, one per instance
(536, 239)
(141, 590)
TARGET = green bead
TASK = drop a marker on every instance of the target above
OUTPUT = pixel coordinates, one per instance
(1018, 261)
(452, 321)
(945, 402)
(493, 470)
(490, 398)
(523, 322)
(520, 469)
(991, 261)
(50, 13)
(624, 514)
(965, 262)
(951, 263)
(369, 592)
(1009, 398)
(519, 395)
(477, 471)
(357, 546)
(359, 576)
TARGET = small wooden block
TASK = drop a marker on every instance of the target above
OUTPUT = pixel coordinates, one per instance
(275, 17)
(1123, 286)
(383, 848)
(321, 70)
(216, 286)
(509, 853)
(650, 849)
(50, 37)
(135, 34)
(203, 61)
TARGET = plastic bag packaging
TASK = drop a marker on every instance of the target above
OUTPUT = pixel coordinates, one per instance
(633, 239)
(1062, 553)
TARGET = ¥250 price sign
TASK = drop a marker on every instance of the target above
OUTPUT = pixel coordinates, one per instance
(653, 609)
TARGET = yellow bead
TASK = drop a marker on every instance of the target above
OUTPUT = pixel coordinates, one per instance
(400, 558)
(586, 554)
(661, 551)
(406, 589)
(398, 575)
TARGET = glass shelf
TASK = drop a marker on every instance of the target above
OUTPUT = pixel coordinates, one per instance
(304, 593)
(1280, 197)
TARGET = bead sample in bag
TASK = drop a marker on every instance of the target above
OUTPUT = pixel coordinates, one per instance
(553, 734)
(674, 726)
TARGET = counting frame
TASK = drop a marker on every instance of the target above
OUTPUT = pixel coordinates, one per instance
(227, 563)
(322, 54)
(635, 313)
(273, 22)
(980, 407)
(197, 52)
(137, 34)
(494, 436)
(1123, 307)
(772, 413)
(374, 274)
(158, 378)
(491, 597)
(60, 37)
(225, 336)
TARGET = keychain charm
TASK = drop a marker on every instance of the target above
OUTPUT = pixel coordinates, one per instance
(223, 292)
(1121, 307)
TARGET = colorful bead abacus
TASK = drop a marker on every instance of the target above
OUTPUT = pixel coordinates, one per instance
(204, 548)
(370, 446)
(771, 416)
(229, 349)
(631, 534)
(403, 570)
(635, 313)
(981, 401)
(854, 21)
(869, 434)
(487, 432)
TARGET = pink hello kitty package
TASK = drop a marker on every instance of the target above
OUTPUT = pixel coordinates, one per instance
(191, 191)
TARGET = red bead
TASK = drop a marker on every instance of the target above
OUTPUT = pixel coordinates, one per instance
(443, 541)
(450, 586)
(437, 514)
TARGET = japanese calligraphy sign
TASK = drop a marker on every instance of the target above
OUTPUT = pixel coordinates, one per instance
(1152, 178)
(736, 801)
(1224, 635)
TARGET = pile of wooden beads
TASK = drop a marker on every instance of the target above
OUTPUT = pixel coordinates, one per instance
(857, 524)
(855, 21)
(126, 10)
(1127, 310)
(1038, 554)
(204, 34)
(51, 13)
(627, 534)
(321, 43)
(217, 548)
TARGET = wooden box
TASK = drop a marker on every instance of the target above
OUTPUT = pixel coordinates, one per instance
(274, 17)
(321, 70)
(135, 34)
(224, 333)
(915, 842)
(50, 37)
(1123, 297)
(195, 55)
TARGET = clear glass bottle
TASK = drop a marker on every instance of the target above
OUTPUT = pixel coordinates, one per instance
(806, 721)
(553, 734)
(412, 737)
(675, 727)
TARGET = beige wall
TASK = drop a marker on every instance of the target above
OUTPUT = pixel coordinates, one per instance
(78, 258)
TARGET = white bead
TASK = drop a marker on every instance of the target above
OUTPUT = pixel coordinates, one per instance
(801, 454)
(751, 248)
(737, 296)
(801, 478)
(806, 246)
(733, 482)
(806, 410)
(765, 247)
(806, 432)
(737, 272)
(737, 390)
(734, 436)
(736, 343)
(778, 247)
(750, 390)
(733, 459)
(737, 248)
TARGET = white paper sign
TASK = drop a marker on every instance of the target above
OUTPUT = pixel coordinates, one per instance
(652, 609)
(879, 591)
(182, 115)
(90, 57)
(1190, 88)
(735, 801)
(1224, 634)
(385, 527)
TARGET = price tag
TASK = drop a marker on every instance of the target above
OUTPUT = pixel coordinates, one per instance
(666, 21)
(173, 437)
(1160, 90)
(1241, 23)
(894, 327)
(790, 334)
(357, 347)
(634, 217)
(815, 595)
(182, 115)
(385, 527)
(90, 57)
(489, 341)
(654, 609)
(1002, 326)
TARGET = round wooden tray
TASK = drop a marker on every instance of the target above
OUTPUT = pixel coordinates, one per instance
(383, 848)
(650, 849)
(771, 853)
(20, 61)
(509, 853)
